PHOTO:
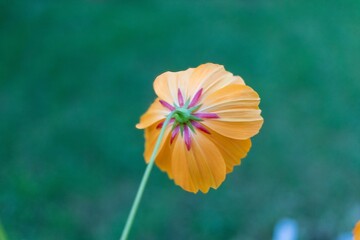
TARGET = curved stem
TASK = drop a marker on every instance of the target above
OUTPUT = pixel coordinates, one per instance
(144, 180)
(2, 233)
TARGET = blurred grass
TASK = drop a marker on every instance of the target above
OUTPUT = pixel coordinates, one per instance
(76, 75)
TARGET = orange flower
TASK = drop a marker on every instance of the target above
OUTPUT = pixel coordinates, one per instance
(356, 231)
(214, 116)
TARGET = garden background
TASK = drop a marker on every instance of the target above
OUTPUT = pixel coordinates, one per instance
(75, 76)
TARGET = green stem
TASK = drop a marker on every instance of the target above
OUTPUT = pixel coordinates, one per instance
(2, 233)
(144, 180)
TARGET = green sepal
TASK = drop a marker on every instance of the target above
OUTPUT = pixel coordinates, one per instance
(193, 109)
(195, 118)
(187, 103)
(181, 129)
(178, 118)
(174, 126)
(191, 127)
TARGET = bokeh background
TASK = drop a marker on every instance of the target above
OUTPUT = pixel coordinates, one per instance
(76, 75)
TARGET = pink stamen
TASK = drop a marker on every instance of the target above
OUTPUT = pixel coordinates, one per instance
(206, 115)
(187, 137)
(167, 105)
(200, 127)
(162, 123)
(180, 98)
(174, 134)
(196, 98)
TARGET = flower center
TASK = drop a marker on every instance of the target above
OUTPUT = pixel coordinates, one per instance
(186, 117)
(182, 115)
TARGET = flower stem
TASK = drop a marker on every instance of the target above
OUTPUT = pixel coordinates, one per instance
(144, 180)
(2, 233)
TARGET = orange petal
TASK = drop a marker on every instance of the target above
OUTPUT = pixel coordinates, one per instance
(232, 150)
(236, 130)
(163, 159)
(211, 77)
(199, 168)
(167, 84)
(151, 135)
(356, 231)
(230, 97)
(155, 113)
(238, 111)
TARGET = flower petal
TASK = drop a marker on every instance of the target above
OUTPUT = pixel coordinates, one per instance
(236, 130)
(163, 156)
(238, 111)
(200, 168)
(155, 113)
(356, 231)
(168, 84)
(232, 150)
(231, 97)
(163, 159)
(211, 77)
(151, 135)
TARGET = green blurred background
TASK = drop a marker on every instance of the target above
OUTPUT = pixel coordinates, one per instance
(76, 75)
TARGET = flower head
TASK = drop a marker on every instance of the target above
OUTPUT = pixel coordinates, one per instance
(214, 115)
(356, 231)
